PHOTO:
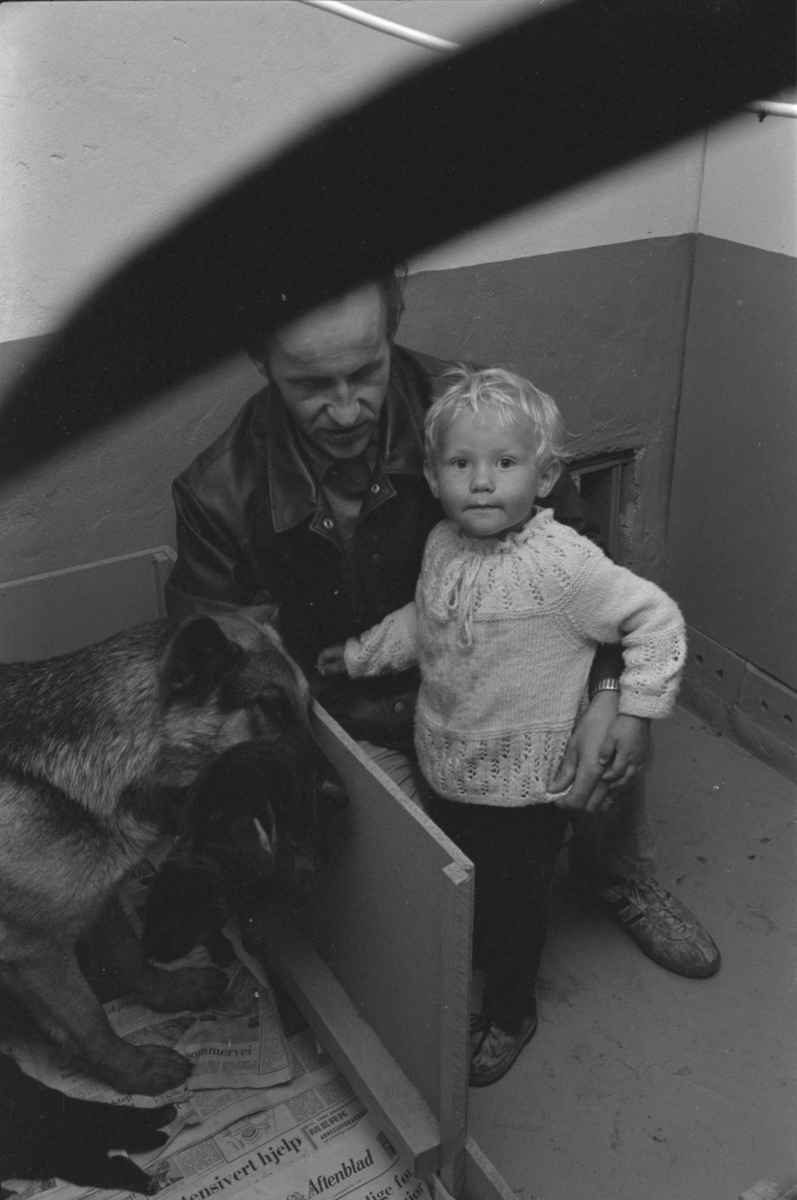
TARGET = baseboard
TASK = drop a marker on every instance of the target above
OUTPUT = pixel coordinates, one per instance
(738, 700)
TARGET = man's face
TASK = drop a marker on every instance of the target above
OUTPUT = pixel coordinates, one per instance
(331, 369)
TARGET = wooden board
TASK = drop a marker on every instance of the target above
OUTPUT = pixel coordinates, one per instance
(390, 1097)
(47, 615)
(482, 1181)
(392, 919)
(380, 964)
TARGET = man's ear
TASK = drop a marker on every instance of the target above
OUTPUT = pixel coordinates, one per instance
(431, 479)
(549, 477)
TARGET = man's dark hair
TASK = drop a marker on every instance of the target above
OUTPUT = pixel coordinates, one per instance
(391, 288)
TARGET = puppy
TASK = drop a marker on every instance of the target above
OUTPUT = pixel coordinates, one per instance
(242, 820)
(97, 749)
(244, 833)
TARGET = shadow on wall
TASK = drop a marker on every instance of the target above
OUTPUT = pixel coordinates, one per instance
(110, 493)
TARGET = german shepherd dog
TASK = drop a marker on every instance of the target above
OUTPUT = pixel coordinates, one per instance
(97, 749)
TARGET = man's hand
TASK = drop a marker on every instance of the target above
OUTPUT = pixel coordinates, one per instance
(624, 750)
(330, 661)
(587, 756)
(605, 752)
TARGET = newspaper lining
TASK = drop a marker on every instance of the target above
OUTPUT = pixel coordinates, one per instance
(261, 1116)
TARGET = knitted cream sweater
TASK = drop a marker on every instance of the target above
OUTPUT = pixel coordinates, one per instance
(505, 631)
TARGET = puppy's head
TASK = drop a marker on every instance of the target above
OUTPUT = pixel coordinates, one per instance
(183, 908)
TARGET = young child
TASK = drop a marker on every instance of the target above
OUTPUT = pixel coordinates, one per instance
(509, 609)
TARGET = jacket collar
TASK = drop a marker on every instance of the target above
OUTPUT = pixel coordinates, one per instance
(294, 491)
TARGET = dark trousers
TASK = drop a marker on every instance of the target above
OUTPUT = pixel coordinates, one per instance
(513, 851)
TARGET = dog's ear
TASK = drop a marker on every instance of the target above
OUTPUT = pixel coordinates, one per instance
(197, 658)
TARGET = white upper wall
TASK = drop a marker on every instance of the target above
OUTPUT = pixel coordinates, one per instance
(738, 182)
(657, 197)
(750, 183)
(118, 115)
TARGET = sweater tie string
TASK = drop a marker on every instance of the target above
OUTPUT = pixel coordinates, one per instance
(459, 592)
(459, 596)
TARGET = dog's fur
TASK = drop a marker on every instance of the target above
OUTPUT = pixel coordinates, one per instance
(96, 751)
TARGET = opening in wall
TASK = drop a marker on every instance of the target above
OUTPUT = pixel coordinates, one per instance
(603, 481)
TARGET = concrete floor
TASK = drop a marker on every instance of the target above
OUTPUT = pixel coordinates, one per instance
(640, 1084)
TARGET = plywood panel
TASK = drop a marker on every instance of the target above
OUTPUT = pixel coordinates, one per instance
(392, 919)
(482, 1181)
(61, 611)
(380, 1083)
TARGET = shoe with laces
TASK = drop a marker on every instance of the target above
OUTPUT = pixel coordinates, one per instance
(493, 1051)
(663, 928)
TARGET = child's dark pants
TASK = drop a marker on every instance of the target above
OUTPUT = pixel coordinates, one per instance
(513, 851)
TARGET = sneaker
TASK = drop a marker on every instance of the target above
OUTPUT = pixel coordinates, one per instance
(663, 928)
(492, 1051)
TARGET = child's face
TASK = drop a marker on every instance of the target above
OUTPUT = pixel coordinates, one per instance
(485, 475)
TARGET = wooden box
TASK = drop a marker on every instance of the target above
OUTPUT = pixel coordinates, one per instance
(378, 959)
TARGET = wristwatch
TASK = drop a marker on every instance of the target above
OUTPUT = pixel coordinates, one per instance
(604, 685)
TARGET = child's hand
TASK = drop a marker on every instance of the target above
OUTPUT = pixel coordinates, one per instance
(330, 661)
(624, 750)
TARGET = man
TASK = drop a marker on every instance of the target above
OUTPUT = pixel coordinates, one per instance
(314, 501)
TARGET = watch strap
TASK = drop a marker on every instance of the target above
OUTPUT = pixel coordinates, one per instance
(604, 685)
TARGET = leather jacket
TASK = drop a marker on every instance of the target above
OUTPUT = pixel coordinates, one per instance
(254, 527)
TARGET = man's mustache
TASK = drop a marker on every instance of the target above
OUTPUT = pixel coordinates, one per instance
(567, 94)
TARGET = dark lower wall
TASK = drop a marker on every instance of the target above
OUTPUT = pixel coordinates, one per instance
(602, 330)
(740, 700)
(732, 534)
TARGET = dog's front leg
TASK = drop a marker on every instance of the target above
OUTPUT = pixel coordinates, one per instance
(191, 988)
(51, 984)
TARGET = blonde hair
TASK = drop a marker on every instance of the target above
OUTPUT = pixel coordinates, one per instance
(503, 395)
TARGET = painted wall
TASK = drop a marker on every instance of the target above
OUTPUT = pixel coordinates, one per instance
(655, 303)
(732, 545)
(602, 330)
(111, 494)
(749, 192)
(115, 117)
(118, 116)
(659, 197)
